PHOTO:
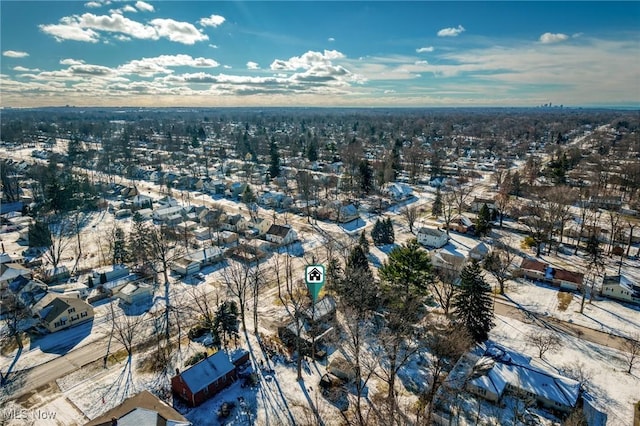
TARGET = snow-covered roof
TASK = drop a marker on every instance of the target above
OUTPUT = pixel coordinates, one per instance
(510, 367)
(207, 371)
(432, 231)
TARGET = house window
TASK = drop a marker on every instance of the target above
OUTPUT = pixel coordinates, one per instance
(57, 324)
(71, 310)
(84, 314)
(75, 317)
(206, 390)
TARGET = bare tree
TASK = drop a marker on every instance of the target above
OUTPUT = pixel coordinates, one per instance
(448, 207)
(410, 214)
(61, 230)
(446, 345)
(499, 263)
(126, 329)
(461, 193)
(445, 287)
(631, 350)
(238, 279)
(544, 342)
(295, 298)
(164, 251)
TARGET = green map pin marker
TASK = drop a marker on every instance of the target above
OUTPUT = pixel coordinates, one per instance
(314, 277)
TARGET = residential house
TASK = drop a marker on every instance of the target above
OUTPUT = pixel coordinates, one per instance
(479, 251)
(227, 237)
(533, 269)
(347, 213)
(112, 273)
(499, 371)
(461, 224)
(432, 237)
(185, 266)
(27, 292)
(621, 288)
(142, 201)
(135, 296)
(281, 234)
(234, 223)
(235, 189)
(260, 225)
(62, 312)
(206, 256)
(568, 280)
(57, 274)
(397, 191)
(144, 408)
(477, 204)
(204, 379)
(11, 271)
(448, 259)
(165, 213)
(202, 234)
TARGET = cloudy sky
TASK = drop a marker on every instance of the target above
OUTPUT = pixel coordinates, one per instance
(303, 53)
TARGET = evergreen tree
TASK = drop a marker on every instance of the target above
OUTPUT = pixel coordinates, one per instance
(139, 241)
(39, 234)
(408, 271)
(274, 164)
(472, 305)
(483, 221)
(365, 176)
(226, 321)
(390, 235)
(364, 243)
(357, 259)
(436, 208)
(120, 254)
(377, 233)
(312, 150)
(358, 288)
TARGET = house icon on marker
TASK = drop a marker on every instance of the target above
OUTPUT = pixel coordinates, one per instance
(314, 275)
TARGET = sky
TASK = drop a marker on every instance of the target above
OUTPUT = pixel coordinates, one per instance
(315, 53)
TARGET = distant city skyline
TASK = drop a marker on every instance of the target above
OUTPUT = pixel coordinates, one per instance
(303, 53)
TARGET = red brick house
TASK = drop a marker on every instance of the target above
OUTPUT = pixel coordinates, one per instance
(204, 379)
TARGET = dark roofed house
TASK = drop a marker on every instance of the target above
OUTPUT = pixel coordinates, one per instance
(141, 409)
(533, 269)
(567, 279)
(281, 234)
(204, 379)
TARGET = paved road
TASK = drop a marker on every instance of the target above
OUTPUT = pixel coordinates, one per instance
(510, 310)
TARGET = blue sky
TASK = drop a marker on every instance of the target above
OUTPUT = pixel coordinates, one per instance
(307, 53)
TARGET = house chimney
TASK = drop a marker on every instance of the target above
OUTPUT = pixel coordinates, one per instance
(177, 371)
(114, 421)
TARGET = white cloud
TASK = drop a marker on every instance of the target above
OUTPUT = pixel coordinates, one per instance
(306, 61)
(70, 61)
(451, 32)
(126, 8)
(14, 54)
(226, 67)
(212, 21)
(122, 37)
(181, 32)
(92, 4)
(70, 31)
(85, 27)
(144, 7)
(148, 67)
(331, 39)
(253, 65)
(425, 49)
(213, 46)
(118, 24)
(549, 38)
(24, 69)
(421, 63)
